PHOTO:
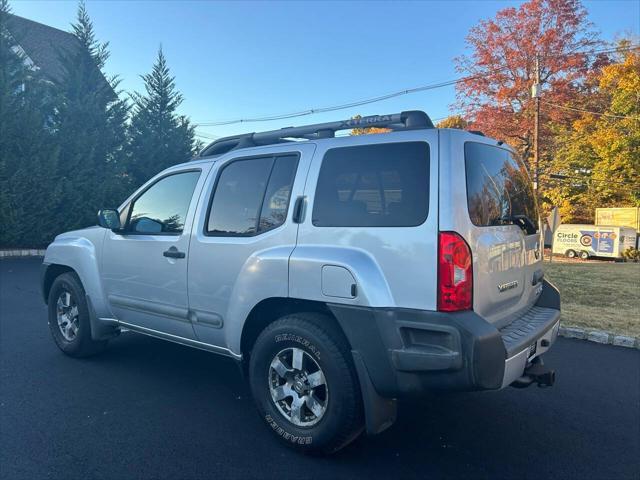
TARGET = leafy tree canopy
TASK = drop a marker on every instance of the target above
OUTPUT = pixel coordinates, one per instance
(500, 69)
(453, 121)
(600, 154)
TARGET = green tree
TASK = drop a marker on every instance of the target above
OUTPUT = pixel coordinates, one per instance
(90, 130)
(28, 154)
(600, 154)
(158, 136)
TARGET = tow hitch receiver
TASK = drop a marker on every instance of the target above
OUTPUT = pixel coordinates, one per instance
(537, 373)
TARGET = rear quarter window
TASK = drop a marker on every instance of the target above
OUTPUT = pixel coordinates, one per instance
(381, 185)
(499, 189)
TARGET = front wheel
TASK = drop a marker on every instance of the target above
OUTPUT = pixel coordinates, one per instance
(69, 317)
(305, 385)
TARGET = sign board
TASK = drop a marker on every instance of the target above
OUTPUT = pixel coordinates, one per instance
(554, 219)
(619, 217)
(554, 222)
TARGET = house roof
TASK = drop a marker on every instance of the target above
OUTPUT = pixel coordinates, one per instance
(43, 45)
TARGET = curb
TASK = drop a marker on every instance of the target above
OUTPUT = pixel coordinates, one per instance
(22, 252)
(600, 336)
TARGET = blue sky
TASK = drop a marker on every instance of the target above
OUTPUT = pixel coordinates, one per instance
(247, 59)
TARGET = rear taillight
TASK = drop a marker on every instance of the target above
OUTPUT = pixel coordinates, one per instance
(455, 273)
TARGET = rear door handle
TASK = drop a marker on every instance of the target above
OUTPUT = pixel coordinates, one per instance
(173, 253)
(299, 209)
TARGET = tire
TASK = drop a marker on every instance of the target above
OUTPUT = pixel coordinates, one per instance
(570, 254)
(584, 255)
(337, 416)
(73, 334)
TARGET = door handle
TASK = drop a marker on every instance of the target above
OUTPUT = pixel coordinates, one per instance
(299, 209)
(173, 253)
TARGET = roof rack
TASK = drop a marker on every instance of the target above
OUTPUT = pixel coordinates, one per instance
(409, 120)
(477, 132)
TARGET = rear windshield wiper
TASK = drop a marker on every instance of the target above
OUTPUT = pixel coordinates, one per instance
(522, 221)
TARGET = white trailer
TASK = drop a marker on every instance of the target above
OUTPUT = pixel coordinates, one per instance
(622, 216)
(586, 241)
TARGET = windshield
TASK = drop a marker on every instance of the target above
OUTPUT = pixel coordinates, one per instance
(499, 190)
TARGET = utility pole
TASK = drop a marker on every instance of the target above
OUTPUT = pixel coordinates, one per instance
(535, 93)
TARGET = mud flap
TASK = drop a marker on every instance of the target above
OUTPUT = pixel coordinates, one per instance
(100, 329)
(380, 413)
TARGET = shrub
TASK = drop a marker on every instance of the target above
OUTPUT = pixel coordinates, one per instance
(631, 254)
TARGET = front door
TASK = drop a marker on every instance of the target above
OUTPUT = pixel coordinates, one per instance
(144, 267)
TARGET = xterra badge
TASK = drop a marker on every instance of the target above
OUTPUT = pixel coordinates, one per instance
(503, 287)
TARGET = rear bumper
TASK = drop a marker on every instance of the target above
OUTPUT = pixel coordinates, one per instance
(408, 352)
(527, 338)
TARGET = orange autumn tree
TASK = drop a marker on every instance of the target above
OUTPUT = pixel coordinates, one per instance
(496, 97)
(453, 121)
(599, 154)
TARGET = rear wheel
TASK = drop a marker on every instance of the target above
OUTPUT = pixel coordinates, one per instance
(584, 255)
(570, 254)
(69, 317)
(305, 385)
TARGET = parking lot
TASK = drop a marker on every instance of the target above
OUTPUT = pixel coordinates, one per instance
(151, 409)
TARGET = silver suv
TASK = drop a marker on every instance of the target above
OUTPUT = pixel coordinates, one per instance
(341, 273)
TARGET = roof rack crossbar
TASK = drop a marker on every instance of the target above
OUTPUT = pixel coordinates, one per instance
(409, 120)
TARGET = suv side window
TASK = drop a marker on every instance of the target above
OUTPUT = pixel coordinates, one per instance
(162, 208)
(252, 196)
(381, 185)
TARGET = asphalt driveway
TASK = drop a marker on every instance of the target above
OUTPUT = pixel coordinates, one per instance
(150, 409)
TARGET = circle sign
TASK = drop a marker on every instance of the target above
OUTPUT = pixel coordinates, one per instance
(586, 240)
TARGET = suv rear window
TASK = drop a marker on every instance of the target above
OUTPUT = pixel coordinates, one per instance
(381, 185)
(499, 190)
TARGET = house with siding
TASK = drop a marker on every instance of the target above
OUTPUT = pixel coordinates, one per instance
(42, 47)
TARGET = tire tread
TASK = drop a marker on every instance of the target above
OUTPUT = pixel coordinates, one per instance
(87, 346)
(335, 342)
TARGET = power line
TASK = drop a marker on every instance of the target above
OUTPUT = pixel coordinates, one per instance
(595, 52)
(206, 135)
(388, 96)
(561, 177)
(585, 184)
(333, 108)
(590, 111)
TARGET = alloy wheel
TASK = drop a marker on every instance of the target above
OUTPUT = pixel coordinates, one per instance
(67, 315)
(298, 387)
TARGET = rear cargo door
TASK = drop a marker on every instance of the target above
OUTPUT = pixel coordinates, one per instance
(497, 215)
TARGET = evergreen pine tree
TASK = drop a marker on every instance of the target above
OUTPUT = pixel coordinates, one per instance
(90, 130)
(28, 155)
(158, 136)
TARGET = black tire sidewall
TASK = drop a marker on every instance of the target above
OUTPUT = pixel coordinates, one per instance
(323, 435)
(70, 283)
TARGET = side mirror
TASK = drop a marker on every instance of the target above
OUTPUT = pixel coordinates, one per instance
(109, 218)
